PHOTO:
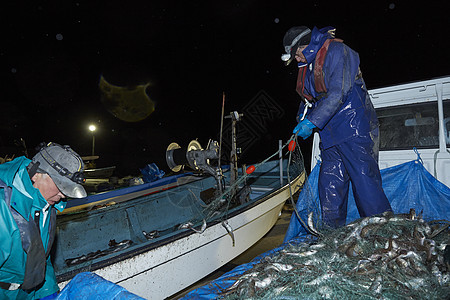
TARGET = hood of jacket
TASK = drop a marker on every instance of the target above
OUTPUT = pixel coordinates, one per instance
(318, 37)
(15, 174)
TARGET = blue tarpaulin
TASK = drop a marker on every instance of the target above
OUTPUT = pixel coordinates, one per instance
(407, 186)
(151, 173)
(90, 286)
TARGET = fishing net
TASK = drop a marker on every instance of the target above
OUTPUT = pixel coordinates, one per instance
(381, 257)
(402, 256)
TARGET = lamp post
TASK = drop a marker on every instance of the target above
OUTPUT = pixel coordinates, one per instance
(92, 129)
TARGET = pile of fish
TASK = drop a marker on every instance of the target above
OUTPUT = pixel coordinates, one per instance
(382, 257)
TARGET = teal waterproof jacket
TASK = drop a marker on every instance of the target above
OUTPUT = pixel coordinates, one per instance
(26, 200)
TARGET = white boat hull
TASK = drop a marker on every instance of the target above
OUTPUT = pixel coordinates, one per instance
(170, 268)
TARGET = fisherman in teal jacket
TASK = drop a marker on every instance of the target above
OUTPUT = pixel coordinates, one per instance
(30, 194)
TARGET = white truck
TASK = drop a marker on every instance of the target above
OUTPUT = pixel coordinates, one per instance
(412, 116)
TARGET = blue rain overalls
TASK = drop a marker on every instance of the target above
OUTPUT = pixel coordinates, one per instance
(348, 129)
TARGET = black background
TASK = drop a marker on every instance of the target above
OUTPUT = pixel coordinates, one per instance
(54, 52)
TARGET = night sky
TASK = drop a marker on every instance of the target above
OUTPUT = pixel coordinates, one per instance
(53, 53)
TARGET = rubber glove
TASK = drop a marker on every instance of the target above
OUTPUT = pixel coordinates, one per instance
(304, 128)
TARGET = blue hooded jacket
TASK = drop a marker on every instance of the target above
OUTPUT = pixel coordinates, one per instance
(346, 110)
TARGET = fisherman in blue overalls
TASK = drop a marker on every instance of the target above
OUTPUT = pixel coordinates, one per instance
(336, 102)
(30, 194)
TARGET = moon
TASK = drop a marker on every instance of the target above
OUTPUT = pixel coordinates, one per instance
(129, 104)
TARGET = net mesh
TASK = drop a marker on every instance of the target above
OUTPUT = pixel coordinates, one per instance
(221, 203)
(381, 257)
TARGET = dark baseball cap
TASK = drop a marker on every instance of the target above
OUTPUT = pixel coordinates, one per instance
(64, 166)
(295, 37)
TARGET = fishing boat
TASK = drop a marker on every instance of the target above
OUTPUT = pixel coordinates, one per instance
(91, 171)
(105, 172)
(160, 239)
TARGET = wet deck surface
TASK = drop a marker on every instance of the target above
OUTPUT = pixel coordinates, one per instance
(272, 239)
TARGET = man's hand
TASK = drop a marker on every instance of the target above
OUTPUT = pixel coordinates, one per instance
(304, 128)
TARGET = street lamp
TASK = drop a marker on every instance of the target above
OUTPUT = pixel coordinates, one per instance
(92, 128)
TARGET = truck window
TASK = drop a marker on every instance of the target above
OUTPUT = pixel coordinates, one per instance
(417, 125)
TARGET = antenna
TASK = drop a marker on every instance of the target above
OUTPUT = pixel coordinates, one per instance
(221, 128)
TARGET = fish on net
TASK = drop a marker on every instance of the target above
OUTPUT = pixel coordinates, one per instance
(381, 257)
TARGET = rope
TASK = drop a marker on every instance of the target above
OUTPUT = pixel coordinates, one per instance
(226, 196)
